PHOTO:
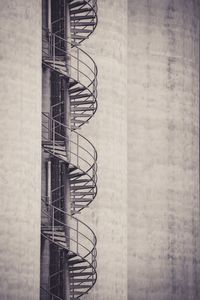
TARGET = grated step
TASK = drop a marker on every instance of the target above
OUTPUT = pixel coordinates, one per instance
(83, 187)
(81, 274)
(81, 280)
(80, 30)
(79, 3)
(79, 96)
(76, 18)
(75, 261)
(82, 108)
(78, 89)
(80, 116)
(79, 24)
(78, 11)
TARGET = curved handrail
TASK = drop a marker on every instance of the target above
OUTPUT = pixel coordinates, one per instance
(79, 55)
(81, 155)
(63, 229)
(92, 4)
(75, 68)
(74, 225)
(76, 139)
(74, 233)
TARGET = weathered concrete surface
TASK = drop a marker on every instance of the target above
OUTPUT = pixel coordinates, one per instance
(107, 130)
(20, 142)
(163, 143)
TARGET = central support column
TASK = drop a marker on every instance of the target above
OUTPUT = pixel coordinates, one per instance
(67, 122)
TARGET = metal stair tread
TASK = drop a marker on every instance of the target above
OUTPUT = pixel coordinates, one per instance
(78, 3)
(83, 187)
(80, 116)
(78, 268)
(81, 274)
(79, 96)
(81, 280)
(81, 17)
(80, 30)
(83, 108)
(79, 24)
(77, 89)
(79, 11)
(81, 200)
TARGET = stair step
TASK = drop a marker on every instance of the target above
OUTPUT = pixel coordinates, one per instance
(72, 169)
(56, 233)
(83, 102)
(55, 147)
(81, 187)
(78, 89)
(81, 193)
(80, 30)
(78, 11)
(75, 261)
(75, 175)
(78, 268)
(72, 83)
(58, 239)
(70, 256)
(57, 62)
(73, 181)
(80, 274)
(79, 24)
(80, 116)
(75, 293)
(82, 108)
(81, 280)
(80, 17)
(79, 96)
(77, 37)
(80, 286)
(78, 206)
(81, 199)
(78, 3)
(77, 121)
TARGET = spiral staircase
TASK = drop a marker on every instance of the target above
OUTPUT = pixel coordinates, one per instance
(61, 142)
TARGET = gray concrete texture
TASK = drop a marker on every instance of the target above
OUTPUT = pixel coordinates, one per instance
(163, 150)
(20, 143)
(107, 131)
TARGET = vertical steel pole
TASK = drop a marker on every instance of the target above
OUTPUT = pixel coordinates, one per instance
(49, 15)
(67, 121)
(49, 181)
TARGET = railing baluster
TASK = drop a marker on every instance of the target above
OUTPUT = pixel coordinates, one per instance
(54, 135)
(77, 234)
(53, 224)
(77, 150)
(54, 50)
(78, 63)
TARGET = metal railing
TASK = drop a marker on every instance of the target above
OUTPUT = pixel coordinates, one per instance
(80, 153)
(70, 235)
(91, 22)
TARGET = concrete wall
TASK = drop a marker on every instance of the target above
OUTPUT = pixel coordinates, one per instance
(20, 143)
(163, 143)
(107, 131)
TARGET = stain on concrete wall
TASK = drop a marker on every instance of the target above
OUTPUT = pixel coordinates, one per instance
(163, 143)
(20, 123)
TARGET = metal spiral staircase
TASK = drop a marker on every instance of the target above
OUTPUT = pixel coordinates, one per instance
(60, 141)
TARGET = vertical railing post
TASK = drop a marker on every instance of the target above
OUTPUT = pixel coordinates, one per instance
(53, 225)
(77, 150)
(54, 50)
(78, 64)
(54, 135)
(77, 235)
